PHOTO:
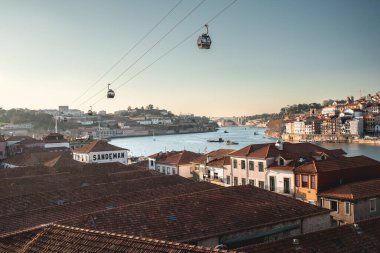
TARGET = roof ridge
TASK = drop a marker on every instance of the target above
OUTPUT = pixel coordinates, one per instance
(136, 238)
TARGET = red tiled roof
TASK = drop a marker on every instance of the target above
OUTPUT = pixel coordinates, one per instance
(220, 162)
(35, 158)
(129, 193)
(216, 154)
(220, 152)
(202, 159)
(58, 238)
(173, 218)
(337, 164)
(263, 151)
(355, 191)
(341, 239)
(97, 146)
(177, 157)
(332, 173)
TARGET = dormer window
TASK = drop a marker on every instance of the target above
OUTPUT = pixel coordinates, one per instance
(281, 161)
(323, 157)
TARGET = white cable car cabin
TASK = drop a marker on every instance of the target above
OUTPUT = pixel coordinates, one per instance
(110, 92)
(204, 40)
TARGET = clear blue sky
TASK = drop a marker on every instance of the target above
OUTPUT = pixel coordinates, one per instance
(265, 54)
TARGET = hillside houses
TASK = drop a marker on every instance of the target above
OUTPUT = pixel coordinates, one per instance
(347, 118)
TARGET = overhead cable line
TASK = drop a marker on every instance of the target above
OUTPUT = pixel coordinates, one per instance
(147, 51)
(130, 50)
(173, 48)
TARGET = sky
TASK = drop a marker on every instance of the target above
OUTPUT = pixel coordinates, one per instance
(265, 54)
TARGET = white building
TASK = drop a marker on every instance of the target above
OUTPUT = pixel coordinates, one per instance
(56, 140)
(299, 127)
(101, 152)
(356, 126)
(173, 163)
(270, 166)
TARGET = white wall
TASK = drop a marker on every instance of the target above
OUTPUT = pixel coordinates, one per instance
(57, 145)
(120, 156)
(279, 176)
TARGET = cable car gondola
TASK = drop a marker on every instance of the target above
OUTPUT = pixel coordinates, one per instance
(204, 40)
(110, 93)
(90, 111)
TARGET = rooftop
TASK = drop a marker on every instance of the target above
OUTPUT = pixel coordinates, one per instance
(342, 239)
(173, 218)
(355, 191)
(58, 238)
(263, 151)
(176, 157)
(97, 146)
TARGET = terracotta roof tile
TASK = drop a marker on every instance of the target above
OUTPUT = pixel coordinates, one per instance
(58, 238)
(341, 239)
(54, 207)
(355, 191)
(97, 146)
(177, 157)
(220, 162)
(173, 218)
(263, 151)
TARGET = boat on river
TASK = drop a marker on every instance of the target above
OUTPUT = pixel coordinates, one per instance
(217, 140)
(229, 142)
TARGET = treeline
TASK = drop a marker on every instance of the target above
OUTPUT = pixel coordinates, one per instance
(288, 110)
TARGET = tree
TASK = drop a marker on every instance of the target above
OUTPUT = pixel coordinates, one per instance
(149, 107)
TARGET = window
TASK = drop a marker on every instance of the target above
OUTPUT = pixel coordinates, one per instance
(372, 205)
(235, 163)
(261, 166)
(173, 171)
(347, 206)
(228, 180)
(251, 165)
(261, 184)
(271, 184)
(312, 181)
(243, 165)
(321, 203)
(243, 182)
(297, 180)
(251, 182)
(282, 162)
(334, 205)
(305, 181)
(151, 163)
(158, 167)
(286, 185)
(215, 175)
(236, 182)
(167, 170)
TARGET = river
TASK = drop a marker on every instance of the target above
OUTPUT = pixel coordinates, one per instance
(197, 142)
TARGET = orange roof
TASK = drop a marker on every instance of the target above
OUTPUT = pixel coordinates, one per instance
(289, 150)
(97, 146)
(177, 157)
(220, 162)
(355, 191)
(336, 164)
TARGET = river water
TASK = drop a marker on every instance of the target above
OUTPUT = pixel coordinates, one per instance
(197, 142)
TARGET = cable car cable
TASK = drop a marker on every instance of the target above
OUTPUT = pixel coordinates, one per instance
(131, 49)
(147, 51)
(170, 50)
